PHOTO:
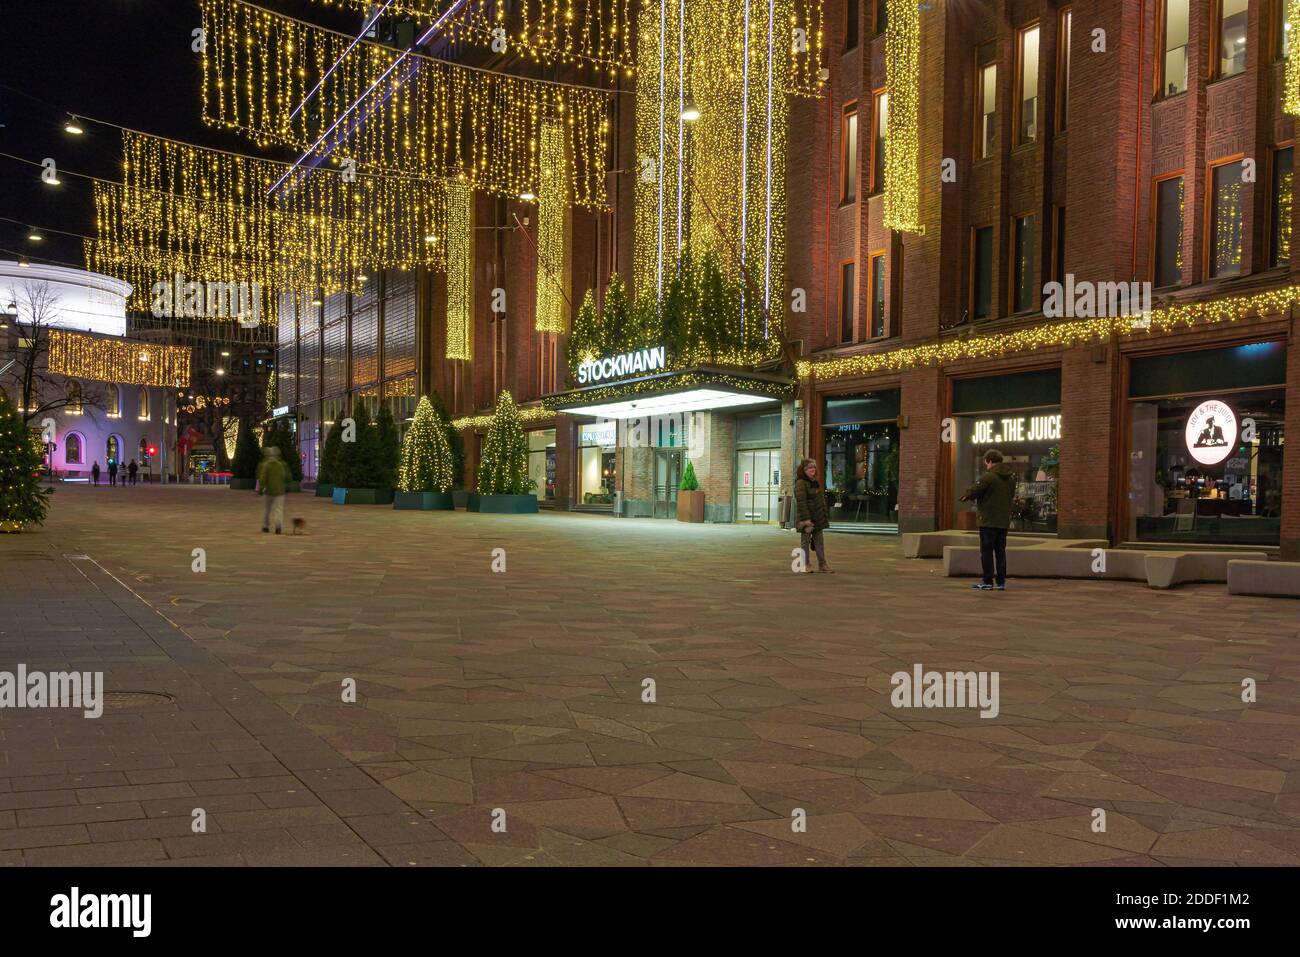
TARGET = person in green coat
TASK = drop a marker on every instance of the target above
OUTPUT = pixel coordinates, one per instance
(811, 514)
(272, 484)
(993, 495)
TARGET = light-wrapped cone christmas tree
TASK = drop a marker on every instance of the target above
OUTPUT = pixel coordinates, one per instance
(22, 500)
(504, 468)
(425, 463)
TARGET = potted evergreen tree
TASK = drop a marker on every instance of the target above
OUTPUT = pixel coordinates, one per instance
(22, 500)
(690, 500)
(359, 473)
(503, 482)
(456, 441)
(424, 470)
(243, 470)
(388, 442)
(329, 461)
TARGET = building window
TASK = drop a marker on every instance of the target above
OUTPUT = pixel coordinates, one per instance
(1280, 218)
(848, 283)
(1169, 232)
(1173, 75)
(877, 295)
(981, 297)
(1063, 34)
(113, 401)
(1025, 239)
(849, 154)
(986, 136)
(74, 450)
(1232, 36)
(144, 403)
(1027, 83)
(1058, 246)
(1282, 40)
(879, 128)
(1225, 220)
(113, 450)
(850, 25)
(882, 16)
(76, 403)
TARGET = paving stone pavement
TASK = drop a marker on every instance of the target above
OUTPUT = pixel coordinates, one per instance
(522, 691)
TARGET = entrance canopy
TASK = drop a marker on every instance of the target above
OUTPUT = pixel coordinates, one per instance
(697, 389)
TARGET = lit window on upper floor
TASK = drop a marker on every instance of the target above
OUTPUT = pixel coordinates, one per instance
(1280, 213)
(1282, 32)
(1173, 75)
(1232, 36)
(1168, 268)
(986, 136)
(1226, 215)
(1027, 83)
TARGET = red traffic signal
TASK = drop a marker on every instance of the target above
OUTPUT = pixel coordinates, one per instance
(153, 450)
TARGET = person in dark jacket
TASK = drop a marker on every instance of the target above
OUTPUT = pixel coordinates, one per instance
(273, 479)
(992, 495)
(132, 470)
(811, 516)
(94, 472)
(112, 471)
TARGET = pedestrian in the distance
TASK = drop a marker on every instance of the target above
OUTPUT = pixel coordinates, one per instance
(112, 471)
(993, 495)
(272, 484)
(94, 472)
(812, 517)
(132, 470)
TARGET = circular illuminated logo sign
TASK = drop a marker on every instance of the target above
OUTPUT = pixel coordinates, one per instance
(1211, 432)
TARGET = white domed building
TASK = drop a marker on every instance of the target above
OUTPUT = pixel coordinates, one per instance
(66, 361)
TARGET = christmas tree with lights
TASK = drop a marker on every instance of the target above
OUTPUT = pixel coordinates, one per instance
(22, 500)
(425, 464)
(504, 467)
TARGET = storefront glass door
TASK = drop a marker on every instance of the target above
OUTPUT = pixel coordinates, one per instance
(758, 485)
(669, 464)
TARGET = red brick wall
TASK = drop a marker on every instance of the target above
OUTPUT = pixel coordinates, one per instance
(1087, 462)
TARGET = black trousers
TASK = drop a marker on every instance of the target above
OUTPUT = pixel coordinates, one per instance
(993, 555)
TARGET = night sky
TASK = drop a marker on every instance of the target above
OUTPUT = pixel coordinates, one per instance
(125, 61)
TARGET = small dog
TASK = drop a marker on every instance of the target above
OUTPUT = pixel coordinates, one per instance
(298, 525)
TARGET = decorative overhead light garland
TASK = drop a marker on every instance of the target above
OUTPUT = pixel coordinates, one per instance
(902, 211)
(82, 356)
(689, 379)
(526, 413)
(585, 33)
(394, 110)
(1056, 334)
(1291, 79)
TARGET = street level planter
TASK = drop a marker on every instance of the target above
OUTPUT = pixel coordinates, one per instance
(10, 528)
(690, 506)
(324, 491)
(460, 498)
(423, 501)
(362, 496)
(295, 487)
(244, 485)
(503, 504)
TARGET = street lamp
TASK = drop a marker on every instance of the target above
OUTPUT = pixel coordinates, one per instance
(690, 112)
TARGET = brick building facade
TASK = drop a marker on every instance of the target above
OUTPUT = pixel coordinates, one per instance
(1085, 143)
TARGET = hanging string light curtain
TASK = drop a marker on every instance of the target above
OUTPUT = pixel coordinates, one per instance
(902, 141)
(342, 219)
(460, 272)
(807, 53)
(715, 185)
(394, 110)
(588, 34)
(83, 356)
(552, 235)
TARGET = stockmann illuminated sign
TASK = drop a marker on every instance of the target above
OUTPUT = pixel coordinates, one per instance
(629, 363)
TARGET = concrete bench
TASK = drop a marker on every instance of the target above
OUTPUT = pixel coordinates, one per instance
(1044, 562)
(1166, 569)
(932, 544)
(1275, 579)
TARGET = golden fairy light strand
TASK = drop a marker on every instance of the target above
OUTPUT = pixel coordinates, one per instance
(394, 110)
(1056, 334)
(460, 272)
(552, 211)
(902, 141)
(82, 356)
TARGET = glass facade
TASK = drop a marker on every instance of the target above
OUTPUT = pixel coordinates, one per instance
(541, 463)
(860, 439)
(597, 462)
(1205, 443)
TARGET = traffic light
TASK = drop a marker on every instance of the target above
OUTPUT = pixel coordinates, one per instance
(152, 450)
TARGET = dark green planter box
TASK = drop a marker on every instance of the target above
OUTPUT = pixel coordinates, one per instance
(362, 496)
(460, 498)
(244, 485)
(324, 491)
(295, 486)
(423, 501)
(503, 504)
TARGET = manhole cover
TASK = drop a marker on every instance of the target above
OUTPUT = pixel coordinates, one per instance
(130, 700)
